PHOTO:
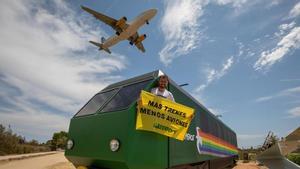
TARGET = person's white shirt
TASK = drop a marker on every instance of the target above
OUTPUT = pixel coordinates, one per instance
(166, 94)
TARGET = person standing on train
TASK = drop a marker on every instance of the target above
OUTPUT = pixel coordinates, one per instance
(161, 89)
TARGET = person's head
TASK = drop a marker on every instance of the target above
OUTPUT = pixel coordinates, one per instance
(163, 81)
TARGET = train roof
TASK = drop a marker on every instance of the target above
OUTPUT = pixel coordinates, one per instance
(156, 74)
(143, 77)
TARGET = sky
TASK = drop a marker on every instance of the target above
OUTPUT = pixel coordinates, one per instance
(239, 57)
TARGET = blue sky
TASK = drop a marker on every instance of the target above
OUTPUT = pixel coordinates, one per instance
(240, 58)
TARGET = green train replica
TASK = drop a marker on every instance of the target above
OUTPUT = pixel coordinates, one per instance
(103, 135)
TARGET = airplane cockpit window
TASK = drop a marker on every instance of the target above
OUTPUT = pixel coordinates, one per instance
(95, 103)
(125, 96)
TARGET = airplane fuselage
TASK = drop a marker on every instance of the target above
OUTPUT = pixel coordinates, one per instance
(124, 31)
(132, 28)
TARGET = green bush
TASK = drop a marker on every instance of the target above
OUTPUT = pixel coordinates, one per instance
(59, 140)
(295, 157)
(11, 143)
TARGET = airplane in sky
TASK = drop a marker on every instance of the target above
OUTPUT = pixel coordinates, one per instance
(123, 30)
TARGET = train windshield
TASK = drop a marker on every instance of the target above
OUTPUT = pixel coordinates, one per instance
(125, 96)
(96, 103)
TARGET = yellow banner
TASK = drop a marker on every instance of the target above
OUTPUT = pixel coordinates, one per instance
(163, 116)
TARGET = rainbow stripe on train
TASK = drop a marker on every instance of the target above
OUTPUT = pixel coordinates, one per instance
(212, 145)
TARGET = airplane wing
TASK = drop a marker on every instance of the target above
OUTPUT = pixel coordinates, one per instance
(139, 45)
(95, 43)
(106, 19)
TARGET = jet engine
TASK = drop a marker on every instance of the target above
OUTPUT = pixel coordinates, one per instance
(140, 38)
(121, 22)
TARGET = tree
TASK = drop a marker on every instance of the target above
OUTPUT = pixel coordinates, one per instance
(8, 141)
(11, 143)
(59, 140)
(34, 142)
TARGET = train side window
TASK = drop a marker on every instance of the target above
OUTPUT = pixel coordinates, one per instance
(95, 103)
(219, 130)
(229, 137)
(222, 132)
(125, 96)
(204, 122)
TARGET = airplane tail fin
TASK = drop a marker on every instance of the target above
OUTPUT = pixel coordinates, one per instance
(100, 45)
(103, 40)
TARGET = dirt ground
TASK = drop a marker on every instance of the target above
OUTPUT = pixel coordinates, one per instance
(58, 161)
(64, 165)
(249, 165)
(54, 161)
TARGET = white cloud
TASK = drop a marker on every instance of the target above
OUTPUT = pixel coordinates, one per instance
(45, 55)
(274, 3)
(290, 80)
(288, 43)
(234, 3)
(295, 11)
(181, 28)
(30, 120)
(295, 91)
(213, 74)
(291, 91)
(240, 7)
(215, 111)
(201, 87)
(294, 112)
(265, 98)
(284, 28)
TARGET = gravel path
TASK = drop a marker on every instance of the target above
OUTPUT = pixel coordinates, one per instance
(54, 161)
(250, 165)
(58, 161)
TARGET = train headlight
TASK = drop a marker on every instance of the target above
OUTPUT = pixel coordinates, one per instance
(114, 145)
(70, 144)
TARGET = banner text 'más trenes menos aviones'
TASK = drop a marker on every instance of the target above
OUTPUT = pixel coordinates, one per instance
(163, 116)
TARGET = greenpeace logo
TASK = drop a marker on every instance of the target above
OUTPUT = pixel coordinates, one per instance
(164, 128)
